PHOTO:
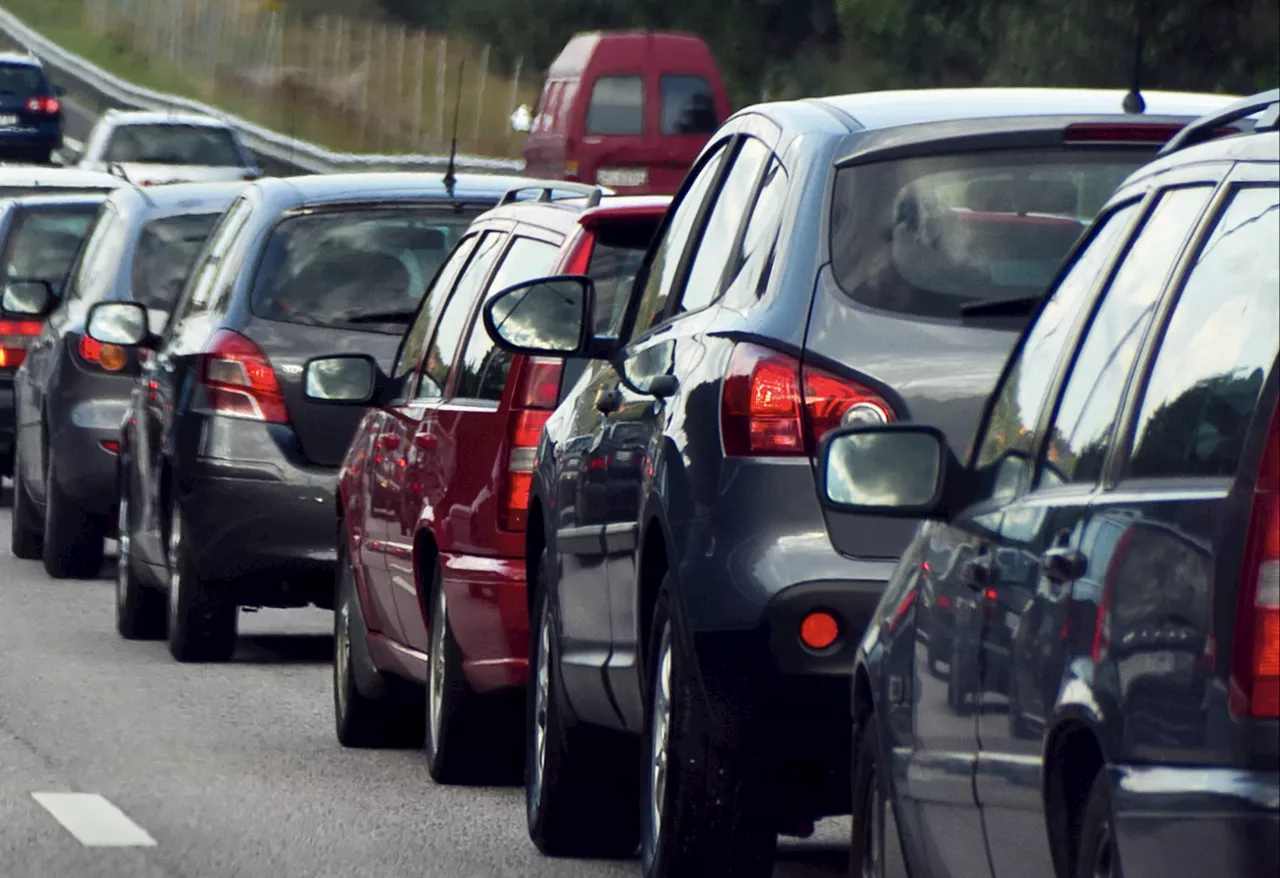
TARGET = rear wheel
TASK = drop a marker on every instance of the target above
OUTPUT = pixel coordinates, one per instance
(581, 786)
(26, 539)
(875, 850)
(202, 621)
(1098, 855)
(74, 540)
(140, 611)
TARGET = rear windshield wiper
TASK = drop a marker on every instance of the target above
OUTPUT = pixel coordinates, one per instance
(1015, 306)
(382, 317)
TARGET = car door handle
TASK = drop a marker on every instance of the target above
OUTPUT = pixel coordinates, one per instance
(1063, 564)
(608, 401)
(425, 441)
(979, 572)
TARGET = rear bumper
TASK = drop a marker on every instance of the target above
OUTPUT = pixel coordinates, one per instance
(86, 469)
(489, 615)
(33, 138)
(1173, 822)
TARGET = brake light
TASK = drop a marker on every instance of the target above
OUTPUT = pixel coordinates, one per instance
(771, 405)
(537, 392)
(47, 105)
(1255, 666)
(108, 357)
(1127, 132)
(15, 337)
(239, 380)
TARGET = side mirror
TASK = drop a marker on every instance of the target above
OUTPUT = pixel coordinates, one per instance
(345, 379)
(550, 316)
(118, 323)
(27, 298)
(893, 470)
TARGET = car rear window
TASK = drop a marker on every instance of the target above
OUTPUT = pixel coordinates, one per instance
(354, 269)
(20, 191)
(619, 250)
(688, 105)
(940, 236)
(617, 106)
(22, 79)
(171, 144)
(165, 252)
(43, 243)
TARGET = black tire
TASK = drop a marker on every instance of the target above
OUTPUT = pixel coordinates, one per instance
(1097, 855)
(709, 814)
(202, 620)
(582, 789)
(140, 610)
(74, 540)
(366, 709)
(26, 537)
(875, 851)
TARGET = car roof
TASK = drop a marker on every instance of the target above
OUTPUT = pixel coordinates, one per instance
(1262, 146)
(178, 198)
(564, 214)
(149, 117)
(37, 176)
(887, 109)
(21, 59)
(288, 193)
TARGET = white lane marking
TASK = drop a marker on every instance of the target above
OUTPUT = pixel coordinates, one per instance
(93, 820)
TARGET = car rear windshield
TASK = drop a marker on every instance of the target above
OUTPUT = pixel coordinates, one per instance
(163, 257)
(950, 235)
(171, 144)
(354, 269)
(617, 106)
(43, 243)
(22, 79)
(688, 105)
(615, 260)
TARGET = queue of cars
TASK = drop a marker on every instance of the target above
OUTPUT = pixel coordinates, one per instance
(657, 470)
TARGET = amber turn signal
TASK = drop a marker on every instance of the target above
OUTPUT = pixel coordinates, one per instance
(112, 357)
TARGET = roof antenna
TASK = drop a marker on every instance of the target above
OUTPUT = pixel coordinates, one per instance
(1133, 102)
(450, 175)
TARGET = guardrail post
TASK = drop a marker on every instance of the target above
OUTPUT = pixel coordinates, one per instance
(484, 77)
(442, 71)
(419, 74)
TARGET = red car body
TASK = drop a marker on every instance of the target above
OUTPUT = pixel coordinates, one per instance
(446, 480)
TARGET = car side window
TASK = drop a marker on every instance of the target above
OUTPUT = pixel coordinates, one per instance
(453, 320)
(95, 269)
(411, 344)
(730, 212)
(1090, 403)
(660, 274)
(751, 262)
(1220, 343)
(200, 285)
(484, 364)
(1005, 448)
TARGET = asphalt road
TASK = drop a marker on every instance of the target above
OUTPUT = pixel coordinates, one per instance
(230, 770)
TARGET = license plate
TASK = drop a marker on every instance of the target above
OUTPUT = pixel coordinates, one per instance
(622, 176)
(8, 121)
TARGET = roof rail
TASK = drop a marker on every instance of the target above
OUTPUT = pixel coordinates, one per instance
(1206, 127)
(546, 192)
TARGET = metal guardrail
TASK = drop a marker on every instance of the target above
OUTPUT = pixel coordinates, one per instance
(276, 152)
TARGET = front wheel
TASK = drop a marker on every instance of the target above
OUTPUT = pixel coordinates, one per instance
(875, 850)
(1098, 856)
(705, 802)
(202, 621)
(140, 611)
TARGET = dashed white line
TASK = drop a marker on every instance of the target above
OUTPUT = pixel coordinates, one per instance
(93, 820)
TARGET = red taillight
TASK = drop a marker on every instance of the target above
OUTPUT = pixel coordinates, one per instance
(1255, 667)
(108, 357)
(1127, 132)
(44, 105)
(1102, 627)
(772, 405)
(239, 381)
(537, 392)
(15, 337)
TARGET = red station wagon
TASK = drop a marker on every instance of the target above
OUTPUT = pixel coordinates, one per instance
(627, 109)
(435, 485)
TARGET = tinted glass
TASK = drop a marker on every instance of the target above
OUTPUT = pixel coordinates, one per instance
(688, 106)
(416, 337)
(173, 145)
(355, 269)
(615, 259)
(163, 256)
(1082, 427)
(617, 106)
(22, 79)
(43, 242)
(484, 365)
(666, 258)
(1007, 443)
(1221, 341)
(95, 273)
(721, 231)
(749, 266)
(929, 236)
(453, 321)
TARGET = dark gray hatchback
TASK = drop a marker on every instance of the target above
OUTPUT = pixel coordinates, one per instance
(227, 470)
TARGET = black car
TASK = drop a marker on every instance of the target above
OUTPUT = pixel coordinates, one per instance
(30, 109)
(857, 259)
(228, 471)
(1121, 505)
(71, 392)
(40, 236)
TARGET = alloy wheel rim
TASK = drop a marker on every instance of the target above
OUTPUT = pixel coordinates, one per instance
(175, 569)
(122, 552)
(660, 733)
(541, 700)
(873, 829)
(435, 697)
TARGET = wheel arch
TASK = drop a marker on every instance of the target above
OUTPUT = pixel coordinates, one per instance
(1073, 755)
